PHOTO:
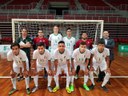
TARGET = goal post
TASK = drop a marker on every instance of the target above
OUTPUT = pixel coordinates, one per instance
(94, 28)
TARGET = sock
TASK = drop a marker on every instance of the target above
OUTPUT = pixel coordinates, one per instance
(13, 82)
(49, 80)
(92, 77)
(72, 80)
(27, 82)
(106, 79)
(68, 78)
(56, 78)
(36, 80)
(85, 79)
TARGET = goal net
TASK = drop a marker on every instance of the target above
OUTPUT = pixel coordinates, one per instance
(93, 28)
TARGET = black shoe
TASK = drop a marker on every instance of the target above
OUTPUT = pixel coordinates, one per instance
(104, 88)
(109, 82)
(98, 80)
(91, 87)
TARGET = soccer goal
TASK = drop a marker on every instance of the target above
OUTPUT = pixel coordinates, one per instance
(93, 28)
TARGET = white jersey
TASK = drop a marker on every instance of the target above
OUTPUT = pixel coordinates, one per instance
(42, 59)
(54, 40)
(61, 57)
(69, 43)
(17, 59)
(79, 58)
(99, 57)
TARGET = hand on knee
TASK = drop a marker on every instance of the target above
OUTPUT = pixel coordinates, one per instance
(13, 74)
(25, 73)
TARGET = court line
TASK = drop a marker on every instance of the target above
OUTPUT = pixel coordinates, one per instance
(65, 77)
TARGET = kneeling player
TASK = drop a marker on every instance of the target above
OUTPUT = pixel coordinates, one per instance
(62, 63)
(100, 58)
(41, 60)
(80, 57)
(18, 60)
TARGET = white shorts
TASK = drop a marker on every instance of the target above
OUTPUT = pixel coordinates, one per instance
(82, 66)
(102, 65)
(40, 67)
(62, 68)
(16, 68)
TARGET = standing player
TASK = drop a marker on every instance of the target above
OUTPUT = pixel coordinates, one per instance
(62, 63)
(80, 57)
(18, 60)
(100, 58)
(69, 41)
(41, 59)
(54, 38)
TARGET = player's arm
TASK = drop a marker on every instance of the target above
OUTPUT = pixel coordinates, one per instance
(91, 65)
(56, 65)
(69, 68)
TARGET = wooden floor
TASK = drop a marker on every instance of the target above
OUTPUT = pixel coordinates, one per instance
(119, 86)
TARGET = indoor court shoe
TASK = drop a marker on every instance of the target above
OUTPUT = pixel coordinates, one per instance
(72, 87)
(86, 87)
(49, 88)
(91, 87)
(104, 88)
(68, 90)
(34, 89)
(28, 91)
(12, 91)
(55, 89)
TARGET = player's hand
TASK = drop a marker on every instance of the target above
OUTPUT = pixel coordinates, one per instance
(86, 72)
(70, 73)
(73, 72)
(13, 74)
(54, 72)
(108, 70)
(25, 73)
(34, 72)
(91, 69)
(50, 72)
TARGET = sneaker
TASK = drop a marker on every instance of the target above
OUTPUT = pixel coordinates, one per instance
(109, 82)
(104, 88)
(72, 87)
(12, 91)
(55, 89)
(49, 88)
(28, 91)
(91, 87)
(68, 90)
(86, 87)
(34, 89)
(76, 76)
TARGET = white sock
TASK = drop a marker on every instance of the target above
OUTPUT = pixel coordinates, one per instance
(49, 80)
(36, 80)
(92, 77)
(13, 82)
(68, 78)
(106, 79)
(56, 78)
(85, 79)
(72, 80)
(27, 82)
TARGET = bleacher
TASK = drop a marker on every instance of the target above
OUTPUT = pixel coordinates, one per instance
(98, 10)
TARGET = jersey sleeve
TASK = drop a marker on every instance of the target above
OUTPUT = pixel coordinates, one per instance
(74, 54)
(92, 51)
(108, 52)
(9, 56)
(24, 56)
(34, 55)
(55, 55)
(68, 55)
(48, 55)
(88, 54)
(50, 37)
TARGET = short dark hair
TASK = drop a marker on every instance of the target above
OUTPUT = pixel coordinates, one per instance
(56, 25)
(101, 41)
(83, 43)
(40, 44)
(14, 44)
(69, 29)
(61, 42)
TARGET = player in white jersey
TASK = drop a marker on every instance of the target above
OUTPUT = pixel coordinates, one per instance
(18, 60)
(62, 63)
(100, 59)
(54, 38)
(69, 41)
(41, 60)
(80, 57)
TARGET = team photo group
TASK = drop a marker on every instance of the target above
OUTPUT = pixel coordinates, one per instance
(59, 54)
